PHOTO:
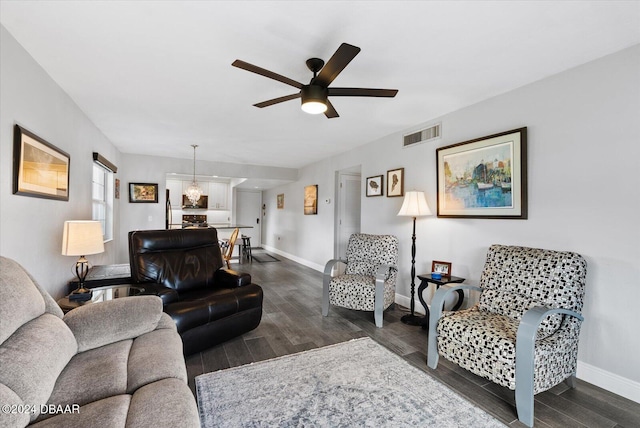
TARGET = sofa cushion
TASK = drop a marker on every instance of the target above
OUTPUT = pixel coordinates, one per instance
(34, 356)
(108, 413)
(166, 403)
(93, 375)
(113, 320)
(20, 301)
(154, 356)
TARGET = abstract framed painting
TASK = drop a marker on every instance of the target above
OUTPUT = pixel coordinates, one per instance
(484, 178)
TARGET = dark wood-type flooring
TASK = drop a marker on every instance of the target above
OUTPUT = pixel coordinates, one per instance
(292, 322)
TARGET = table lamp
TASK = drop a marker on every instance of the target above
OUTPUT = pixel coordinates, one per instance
(81, 238)
(414, 205)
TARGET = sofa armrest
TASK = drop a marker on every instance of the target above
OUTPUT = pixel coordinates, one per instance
(108, 322)
(231, 279)
(435, 313)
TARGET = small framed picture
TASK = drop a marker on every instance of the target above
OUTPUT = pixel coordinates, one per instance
(443, 268)
(311, 199)
(143, 193)
(280, 201)
(395, 182)
(374, 185)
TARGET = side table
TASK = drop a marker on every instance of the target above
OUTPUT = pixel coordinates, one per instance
(101, 275)
(101, 294)
(425, 280)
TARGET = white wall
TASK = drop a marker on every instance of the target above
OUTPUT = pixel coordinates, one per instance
(31, 228)
(584, 196)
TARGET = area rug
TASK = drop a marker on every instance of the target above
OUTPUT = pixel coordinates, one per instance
(264, 258)
(356, 383)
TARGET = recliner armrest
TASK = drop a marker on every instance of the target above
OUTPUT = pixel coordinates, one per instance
(168, 295)
(231, 279)
(434, 316)
(108, 322)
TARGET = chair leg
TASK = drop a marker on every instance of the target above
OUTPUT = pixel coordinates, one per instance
(325, 294)
(571, 381)
(379, 303)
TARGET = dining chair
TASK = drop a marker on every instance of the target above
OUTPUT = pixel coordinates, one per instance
(227, 247)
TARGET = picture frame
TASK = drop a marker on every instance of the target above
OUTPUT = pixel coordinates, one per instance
(311, 199)
(375, 185)
(117, 189)
(40, 169)
(395, 182)
(443, 268)
(484, 178)
(143, 193)
(280, 201)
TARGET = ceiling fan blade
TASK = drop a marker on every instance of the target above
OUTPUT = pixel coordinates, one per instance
(278, 100)
(340, 59)
(266, 73)
(331, 111)
(362, 92)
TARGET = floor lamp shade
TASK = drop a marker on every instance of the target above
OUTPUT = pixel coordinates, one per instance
(82, 237)
(414, 205)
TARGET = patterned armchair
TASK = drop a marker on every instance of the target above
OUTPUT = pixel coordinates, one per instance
(523, 333)
(369, 281)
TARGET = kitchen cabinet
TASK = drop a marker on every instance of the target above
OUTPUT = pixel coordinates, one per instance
(175, 193)
(218, 196)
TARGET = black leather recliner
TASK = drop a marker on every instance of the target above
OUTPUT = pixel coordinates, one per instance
(209, 304)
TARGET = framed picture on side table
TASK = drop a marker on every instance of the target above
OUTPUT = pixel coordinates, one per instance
(443, 268)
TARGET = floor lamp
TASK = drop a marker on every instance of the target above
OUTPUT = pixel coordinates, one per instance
(414, 205)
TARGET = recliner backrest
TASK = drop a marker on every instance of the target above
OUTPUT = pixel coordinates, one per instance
(366, 252)
(182, 259)
(515, 279)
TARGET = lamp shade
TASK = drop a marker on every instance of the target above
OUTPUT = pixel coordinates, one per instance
(414, 205)
(82, 237)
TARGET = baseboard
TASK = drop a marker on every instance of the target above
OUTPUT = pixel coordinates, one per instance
(314, 266)
(406, 302)
(612, 382)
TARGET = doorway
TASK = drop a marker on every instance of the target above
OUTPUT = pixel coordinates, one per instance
(249, 213)
(348, 195)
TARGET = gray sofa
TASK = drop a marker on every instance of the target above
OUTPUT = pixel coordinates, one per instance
(113, 364)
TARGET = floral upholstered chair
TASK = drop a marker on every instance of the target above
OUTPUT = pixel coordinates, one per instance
(369, 281)
(523, 333)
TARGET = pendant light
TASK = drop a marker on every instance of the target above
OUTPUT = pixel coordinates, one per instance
(194, 191)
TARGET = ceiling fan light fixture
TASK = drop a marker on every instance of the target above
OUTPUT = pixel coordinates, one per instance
(314, 99)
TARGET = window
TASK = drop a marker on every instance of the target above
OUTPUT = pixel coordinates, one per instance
(102, 195)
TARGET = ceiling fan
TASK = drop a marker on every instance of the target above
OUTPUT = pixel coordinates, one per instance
(315, 94)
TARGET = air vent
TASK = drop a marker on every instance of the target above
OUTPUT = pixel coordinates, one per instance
(427, 134)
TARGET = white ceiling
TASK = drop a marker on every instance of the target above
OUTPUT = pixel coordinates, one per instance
(156, 76)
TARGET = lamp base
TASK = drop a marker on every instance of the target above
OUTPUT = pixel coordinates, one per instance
(410, 319)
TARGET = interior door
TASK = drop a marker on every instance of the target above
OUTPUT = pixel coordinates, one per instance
(348, 211)
(249, 213)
